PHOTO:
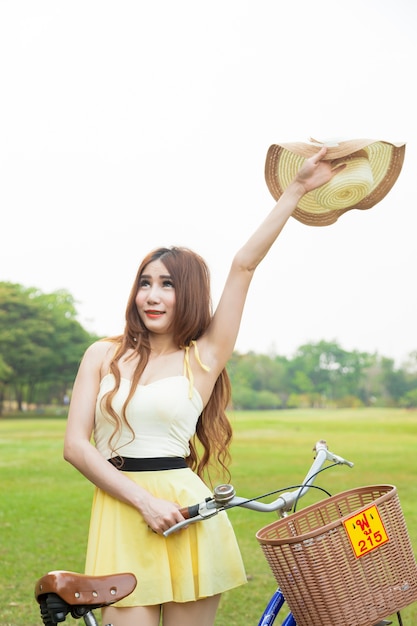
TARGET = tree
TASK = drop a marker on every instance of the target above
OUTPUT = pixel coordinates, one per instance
(258, 381)
(41, 342)
(325, 369)
(393, 381)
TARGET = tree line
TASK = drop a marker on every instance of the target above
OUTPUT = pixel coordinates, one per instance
(322, 375)
(42, 342)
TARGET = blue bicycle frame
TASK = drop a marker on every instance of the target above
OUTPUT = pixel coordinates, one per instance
(273, 608)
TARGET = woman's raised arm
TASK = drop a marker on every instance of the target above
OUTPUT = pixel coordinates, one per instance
(220, 339)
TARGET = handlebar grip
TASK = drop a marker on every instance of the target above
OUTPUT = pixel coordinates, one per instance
(190, 511)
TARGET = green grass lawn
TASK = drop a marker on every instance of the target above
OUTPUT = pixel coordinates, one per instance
(45, 504)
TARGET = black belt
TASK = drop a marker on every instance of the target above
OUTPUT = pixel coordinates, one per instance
(152, 464)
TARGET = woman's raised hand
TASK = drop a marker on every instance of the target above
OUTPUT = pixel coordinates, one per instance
(316, 172)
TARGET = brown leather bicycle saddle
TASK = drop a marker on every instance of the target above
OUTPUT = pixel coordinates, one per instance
(80, 589)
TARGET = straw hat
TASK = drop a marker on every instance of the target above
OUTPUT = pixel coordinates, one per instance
(372, 167)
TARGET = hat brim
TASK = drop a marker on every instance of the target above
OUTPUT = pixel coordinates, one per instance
(372, 167)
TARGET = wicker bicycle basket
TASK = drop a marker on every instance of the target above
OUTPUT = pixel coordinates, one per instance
(346, 560)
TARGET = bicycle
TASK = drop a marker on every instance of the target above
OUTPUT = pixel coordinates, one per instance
(62, 593)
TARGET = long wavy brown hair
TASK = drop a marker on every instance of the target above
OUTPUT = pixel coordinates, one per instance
(193, 314)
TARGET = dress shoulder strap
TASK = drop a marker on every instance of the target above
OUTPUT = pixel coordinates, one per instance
(187, 366)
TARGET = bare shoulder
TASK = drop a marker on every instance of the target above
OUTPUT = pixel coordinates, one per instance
(99, 354)
(100, 348)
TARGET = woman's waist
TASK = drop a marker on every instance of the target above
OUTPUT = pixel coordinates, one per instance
(148, 464)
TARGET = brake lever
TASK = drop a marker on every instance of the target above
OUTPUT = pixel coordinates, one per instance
(211, 506)
(204, 512)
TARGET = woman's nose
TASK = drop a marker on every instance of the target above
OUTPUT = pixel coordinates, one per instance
(153, 294)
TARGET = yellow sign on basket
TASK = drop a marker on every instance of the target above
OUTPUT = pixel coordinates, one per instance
(366, 531)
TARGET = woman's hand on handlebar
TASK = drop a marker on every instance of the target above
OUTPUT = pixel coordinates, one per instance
(160, 514)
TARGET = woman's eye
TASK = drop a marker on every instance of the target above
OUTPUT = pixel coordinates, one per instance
(168, 283)
(144, 283)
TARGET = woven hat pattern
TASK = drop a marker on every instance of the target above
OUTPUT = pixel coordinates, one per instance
(371, 169)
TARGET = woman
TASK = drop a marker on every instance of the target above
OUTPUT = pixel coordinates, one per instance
(143, 394)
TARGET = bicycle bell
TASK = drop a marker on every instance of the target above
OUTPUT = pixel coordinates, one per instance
(224, 493)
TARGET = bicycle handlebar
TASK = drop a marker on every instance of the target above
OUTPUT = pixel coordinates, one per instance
(224, 495)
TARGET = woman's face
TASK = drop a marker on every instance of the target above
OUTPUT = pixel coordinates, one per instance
(155, 299)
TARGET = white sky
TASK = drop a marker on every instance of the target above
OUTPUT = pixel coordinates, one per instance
(128, 125)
